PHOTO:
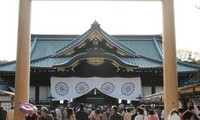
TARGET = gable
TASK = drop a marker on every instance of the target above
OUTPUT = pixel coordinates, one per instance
(95, 35)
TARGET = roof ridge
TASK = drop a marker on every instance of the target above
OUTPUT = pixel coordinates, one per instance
(151, 59)
(110, 38)
(139, 55)
(157, 47)
(34, 44)
(96, 26)
(61, 50)
(41, 58)
(119, 42)
(3, 64)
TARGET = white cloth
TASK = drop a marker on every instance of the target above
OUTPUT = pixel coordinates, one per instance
(58, 114)
(163, 114)
(174, 117)
(73, 87)
(197, 112)
(91, 114)
(145, 113)
(127, 116)
(140, 117)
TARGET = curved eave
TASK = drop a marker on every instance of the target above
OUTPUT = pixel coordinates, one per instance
(44, 67)
(9, 72)
(85, 55)
(143, 63)
(48, 62)
(139, 62)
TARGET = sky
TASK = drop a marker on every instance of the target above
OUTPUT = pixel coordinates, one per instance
(115, 17)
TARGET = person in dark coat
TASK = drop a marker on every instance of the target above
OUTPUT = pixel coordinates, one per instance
(3, 113)
(45, 115)
(115, 115)
(81, 114)
(190, 113)
(32, 117)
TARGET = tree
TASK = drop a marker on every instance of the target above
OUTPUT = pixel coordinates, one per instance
(3, 61)
(198, 62)
(188, 56)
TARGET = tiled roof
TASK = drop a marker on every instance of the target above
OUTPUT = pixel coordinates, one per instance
(8, 67)
(145, 47)
(186, 67)
(146, 50)
(3, 87)
(47, 46)
(116, 42)
(96, 27)
(48, 62)
(143, 63)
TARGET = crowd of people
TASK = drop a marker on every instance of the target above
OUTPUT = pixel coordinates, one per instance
(82, 112)
(179, 114)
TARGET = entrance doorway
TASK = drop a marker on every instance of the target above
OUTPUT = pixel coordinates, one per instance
(95, 100)
(96, 97)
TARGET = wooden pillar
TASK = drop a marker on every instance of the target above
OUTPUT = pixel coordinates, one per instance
(153, 85)
(23, 58)
(153, 88)
(169, 61)
(37, 93)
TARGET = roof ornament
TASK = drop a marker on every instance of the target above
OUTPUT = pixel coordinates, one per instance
(95, 24)
(95, 61)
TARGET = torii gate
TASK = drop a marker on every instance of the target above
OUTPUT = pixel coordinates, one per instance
(22, 77)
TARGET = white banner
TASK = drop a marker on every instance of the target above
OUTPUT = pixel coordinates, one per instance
(73, 87)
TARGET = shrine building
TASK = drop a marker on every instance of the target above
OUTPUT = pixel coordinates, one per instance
(95, 67)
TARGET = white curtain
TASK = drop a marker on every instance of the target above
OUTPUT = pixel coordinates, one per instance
(73, 87)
